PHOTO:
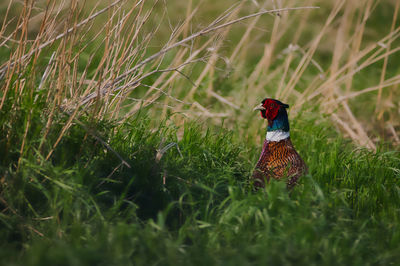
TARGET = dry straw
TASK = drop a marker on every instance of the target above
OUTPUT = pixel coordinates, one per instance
(126, 61)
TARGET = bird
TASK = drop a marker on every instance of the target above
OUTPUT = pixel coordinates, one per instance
(279, 159)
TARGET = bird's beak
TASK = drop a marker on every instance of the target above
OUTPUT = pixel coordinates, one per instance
(259, 107)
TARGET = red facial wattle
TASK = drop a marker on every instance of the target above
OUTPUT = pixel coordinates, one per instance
(271, 110)
(263, 114)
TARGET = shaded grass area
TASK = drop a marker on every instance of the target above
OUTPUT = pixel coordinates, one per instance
(188, 200)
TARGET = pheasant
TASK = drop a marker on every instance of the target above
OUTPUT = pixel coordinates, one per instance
(278, 158)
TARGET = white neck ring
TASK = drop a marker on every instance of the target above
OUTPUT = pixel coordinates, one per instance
(277, 135)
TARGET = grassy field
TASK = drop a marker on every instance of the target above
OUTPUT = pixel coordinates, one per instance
(127, 135)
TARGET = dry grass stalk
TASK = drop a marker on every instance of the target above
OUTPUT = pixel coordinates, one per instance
(385, 61)
(118, 85)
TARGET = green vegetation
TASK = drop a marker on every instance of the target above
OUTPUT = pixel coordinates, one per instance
(104, 165)
(82, 211)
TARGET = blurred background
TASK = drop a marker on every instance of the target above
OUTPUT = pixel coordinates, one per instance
(338, 61)
(127, 135)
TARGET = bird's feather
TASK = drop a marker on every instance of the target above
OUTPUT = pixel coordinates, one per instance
(278, 160)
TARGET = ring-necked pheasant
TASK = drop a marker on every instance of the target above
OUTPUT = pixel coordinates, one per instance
(278, 158)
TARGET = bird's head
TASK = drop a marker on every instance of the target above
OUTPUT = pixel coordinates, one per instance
(269, 109)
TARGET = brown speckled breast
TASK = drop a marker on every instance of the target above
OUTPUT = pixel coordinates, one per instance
(279, 159)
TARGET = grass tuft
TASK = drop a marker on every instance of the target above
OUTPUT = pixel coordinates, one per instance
(127, 138)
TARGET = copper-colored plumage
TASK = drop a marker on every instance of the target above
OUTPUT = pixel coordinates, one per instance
(279, 159)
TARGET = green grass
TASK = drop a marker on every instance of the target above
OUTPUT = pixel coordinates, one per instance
(346, 211)
(186, 197)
